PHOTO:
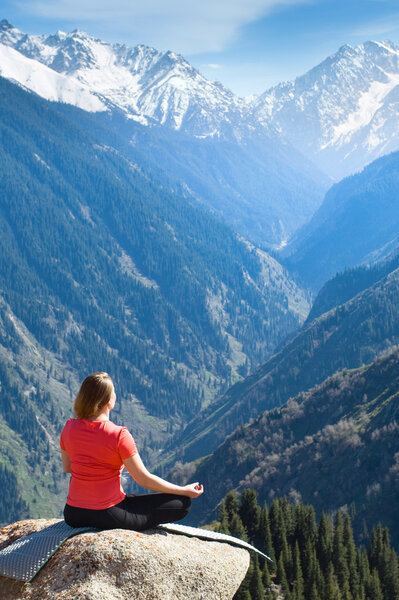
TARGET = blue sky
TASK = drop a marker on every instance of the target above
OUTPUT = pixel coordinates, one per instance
(249, 45)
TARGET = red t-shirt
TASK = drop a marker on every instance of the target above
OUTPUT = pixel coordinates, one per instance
(96, 450)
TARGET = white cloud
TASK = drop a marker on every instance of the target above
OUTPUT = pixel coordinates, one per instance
(187, 26)
(213, 66)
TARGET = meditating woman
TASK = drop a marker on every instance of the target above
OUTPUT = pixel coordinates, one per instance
(95, 451)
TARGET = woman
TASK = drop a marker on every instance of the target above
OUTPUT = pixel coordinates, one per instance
(95, 450)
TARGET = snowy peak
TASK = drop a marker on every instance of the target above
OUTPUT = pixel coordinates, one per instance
(343, 111)
(342, 114)
(45, 82)
(148, 85)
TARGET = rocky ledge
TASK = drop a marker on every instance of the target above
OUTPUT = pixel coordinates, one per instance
(121, 564)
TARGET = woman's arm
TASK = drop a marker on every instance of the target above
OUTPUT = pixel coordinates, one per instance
(138, 471)
(66, 462)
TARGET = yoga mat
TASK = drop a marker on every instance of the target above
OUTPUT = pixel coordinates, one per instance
(23, 559)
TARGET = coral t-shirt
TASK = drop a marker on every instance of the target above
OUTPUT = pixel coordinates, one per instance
(96, 450)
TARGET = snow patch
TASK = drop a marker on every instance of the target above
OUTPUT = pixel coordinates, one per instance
(45, 82)
(369, 103)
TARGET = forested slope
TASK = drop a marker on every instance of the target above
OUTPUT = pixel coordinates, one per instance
(347, 284)
(347, 336)
(357, 223)
(336, 446)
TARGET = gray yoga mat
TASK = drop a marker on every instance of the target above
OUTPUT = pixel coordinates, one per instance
(23, 559)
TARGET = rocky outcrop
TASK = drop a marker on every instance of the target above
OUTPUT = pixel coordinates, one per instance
(121, 564)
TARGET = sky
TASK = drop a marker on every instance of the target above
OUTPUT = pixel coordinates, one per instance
(248, 45)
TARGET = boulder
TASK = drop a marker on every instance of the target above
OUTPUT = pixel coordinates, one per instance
(127, 565)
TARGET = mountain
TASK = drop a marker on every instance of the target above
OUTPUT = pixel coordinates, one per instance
(348, 284)
(357, 223)
(104, 266)
(342, 114)
(200, 131)
(150, 86)
(346, 336)
(335, 446)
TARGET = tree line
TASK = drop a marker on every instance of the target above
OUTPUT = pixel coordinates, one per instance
(311, 559)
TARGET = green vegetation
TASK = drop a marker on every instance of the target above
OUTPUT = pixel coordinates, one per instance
(311, 560)
(348, 336)
(334, 446)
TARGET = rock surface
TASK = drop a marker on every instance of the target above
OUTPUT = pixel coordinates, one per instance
(121, 564)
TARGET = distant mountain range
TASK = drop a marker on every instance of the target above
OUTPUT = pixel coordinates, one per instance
(257, 162)
(201, 132)
(341, 114)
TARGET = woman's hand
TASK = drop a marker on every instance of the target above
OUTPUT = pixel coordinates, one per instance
(138, 471)
(192, 490)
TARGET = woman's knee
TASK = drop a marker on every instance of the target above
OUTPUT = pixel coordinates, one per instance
(186, 504)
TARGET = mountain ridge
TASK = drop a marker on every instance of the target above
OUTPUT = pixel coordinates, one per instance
(341, 113)
(346, 336)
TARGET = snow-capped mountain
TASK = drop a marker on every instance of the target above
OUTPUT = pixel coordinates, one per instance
(148, 85)
(203, 135)
(343, 113)
(46, 82)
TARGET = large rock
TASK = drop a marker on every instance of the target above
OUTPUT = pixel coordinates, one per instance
(121, 564)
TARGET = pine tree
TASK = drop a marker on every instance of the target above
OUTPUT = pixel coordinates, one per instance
(297, 584)
(282, 579)
(306, 526)
(231, 506)
(363, 565)
(223, 519)
(266, 579)
(376, 549)
(331, 588)
(256, 585)
(237, 529)
(249, 512)
(391, 576)
(314, 594)
(346, 592)
(277, 527)
(373, 587)
(339, 554)
(324, 541)
(264, 534)
(350, 547)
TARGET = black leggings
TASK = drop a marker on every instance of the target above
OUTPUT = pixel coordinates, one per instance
(134, 512)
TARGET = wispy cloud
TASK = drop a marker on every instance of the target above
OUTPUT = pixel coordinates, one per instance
(213, 66)
(188, 26)
(378, 27)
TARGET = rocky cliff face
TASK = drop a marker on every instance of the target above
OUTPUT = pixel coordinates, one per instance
(121, 564)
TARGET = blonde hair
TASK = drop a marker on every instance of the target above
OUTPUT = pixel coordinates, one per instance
(95, 392)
